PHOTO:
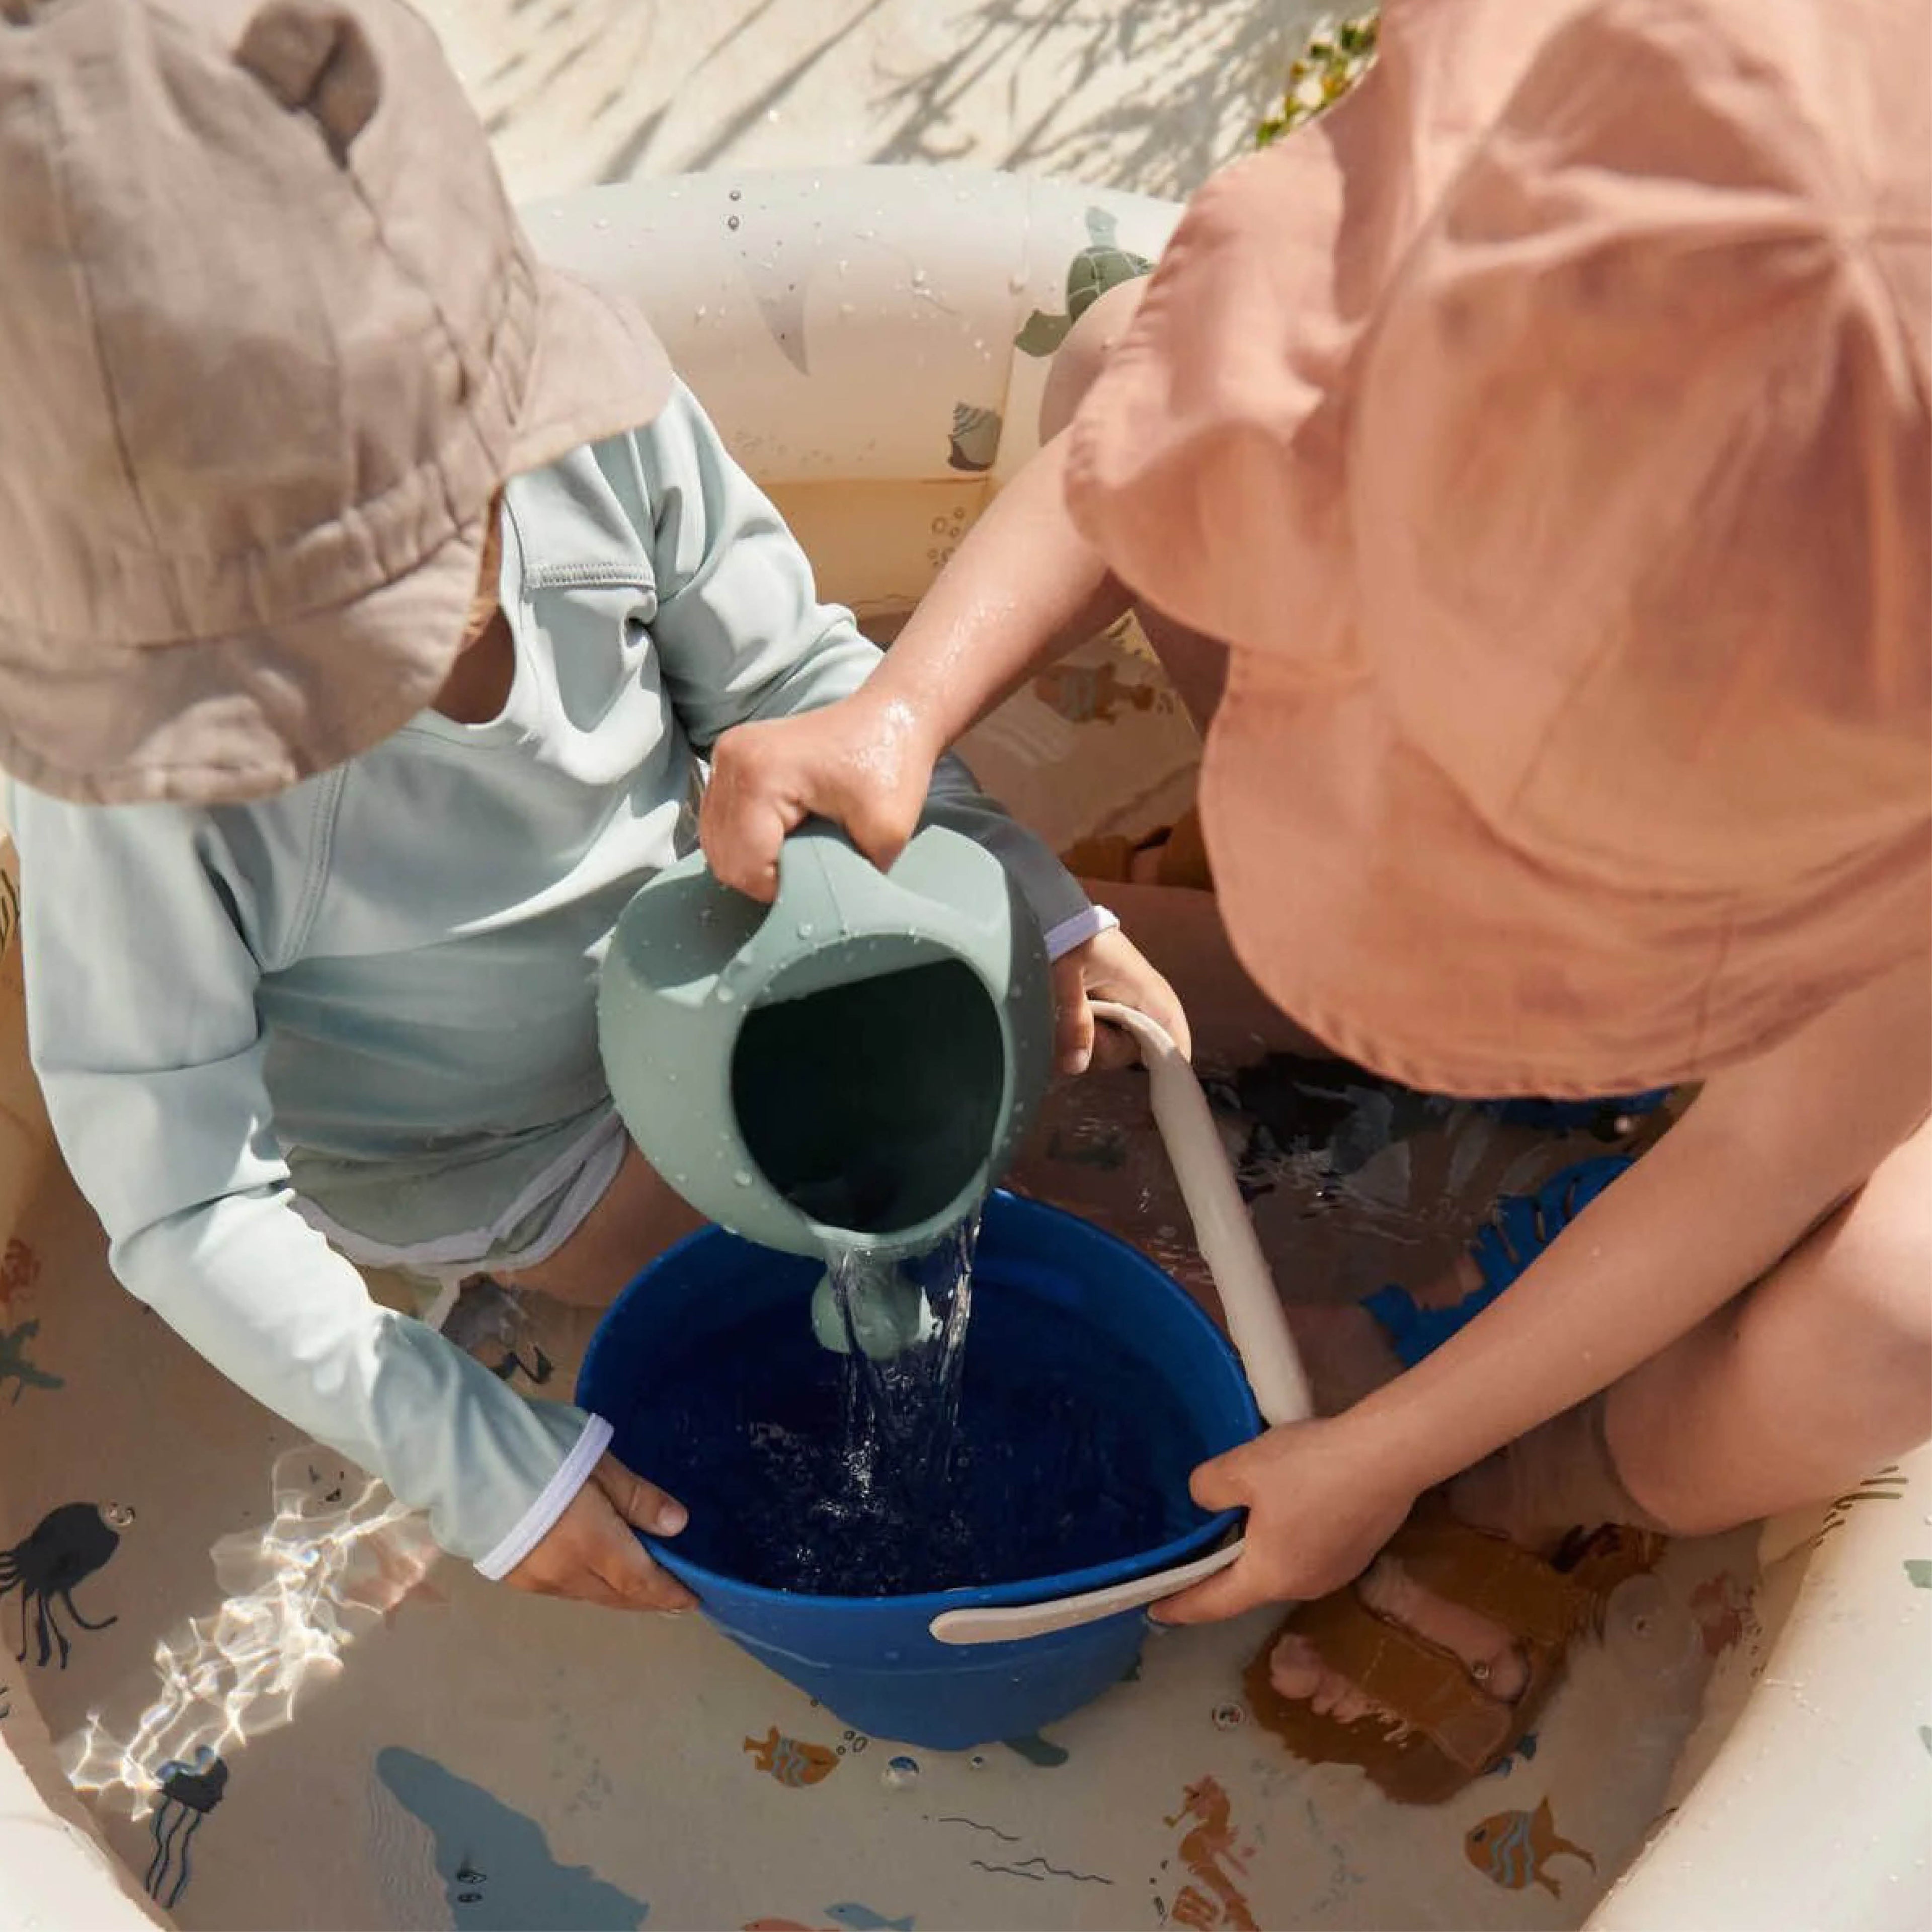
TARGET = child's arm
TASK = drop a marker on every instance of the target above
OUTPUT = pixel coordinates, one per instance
(1765, 1151)
(1024, 588)
(141, 1011)
(742, 641)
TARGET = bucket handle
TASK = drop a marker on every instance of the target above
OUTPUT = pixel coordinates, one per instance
(1232, 1251)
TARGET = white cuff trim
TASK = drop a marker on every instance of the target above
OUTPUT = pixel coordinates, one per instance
(1089, 923)
(540, 1518)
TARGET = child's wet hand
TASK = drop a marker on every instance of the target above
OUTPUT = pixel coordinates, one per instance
(591, 1555)
(1109, 967)
(864, 763)
(1322, 1502)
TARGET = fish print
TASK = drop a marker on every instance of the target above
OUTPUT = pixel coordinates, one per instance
(790, 1762)
(863, 1918)
(1512, 1849)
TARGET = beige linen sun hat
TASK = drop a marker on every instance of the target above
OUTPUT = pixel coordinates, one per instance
(1545, 431)
(271, 340)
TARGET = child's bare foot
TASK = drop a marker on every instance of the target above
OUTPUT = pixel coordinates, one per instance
(1345, 1350)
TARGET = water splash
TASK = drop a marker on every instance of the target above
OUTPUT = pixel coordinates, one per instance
(338, 1556)
(901, 1411)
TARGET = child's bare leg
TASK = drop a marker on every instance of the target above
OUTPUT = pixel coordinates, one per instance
(1803, 1387)
(1197, 667)
(1798, 1390)
(638, 1217)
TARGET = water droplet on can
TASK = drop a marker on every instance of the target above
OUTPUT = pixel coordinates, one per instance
(900, 1774)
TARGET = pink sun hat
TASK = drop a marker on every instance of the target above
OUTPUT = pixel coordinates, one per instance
(1546, 431)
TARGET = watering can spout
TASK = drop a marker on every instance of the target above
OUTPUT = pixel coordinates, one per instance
(847, 1072)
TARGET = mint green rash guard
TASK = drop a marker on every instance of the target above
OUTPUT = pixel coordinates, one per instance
(375, 991)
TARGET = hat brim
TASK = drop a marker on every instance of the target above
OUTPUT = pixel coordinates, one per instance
(1365, 896)
(220, 720)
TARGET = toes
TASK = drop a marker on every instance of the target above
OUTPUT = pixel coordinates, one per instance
(1486, 1650)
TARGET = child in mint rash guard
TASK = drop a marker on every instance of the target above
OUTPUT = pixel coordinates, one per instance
(370, 599)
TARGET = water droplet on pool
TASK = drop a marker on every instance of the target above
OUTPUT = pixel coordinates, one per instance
(731, 221)
(900, 1774)
(1229, 1717)
(737, 194)
(742, 1178)
(805, 928)
(726, 994)
(116, 1515)
(977, 1762)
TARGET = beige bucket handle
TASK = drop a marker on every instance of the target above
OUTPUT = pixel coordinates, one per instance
(1230, 1247)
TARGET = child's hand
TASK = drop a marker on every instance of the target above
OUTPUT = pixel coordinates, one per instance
(864, 763)
(1322, 1500)
(1109, 967)
(591, 1555)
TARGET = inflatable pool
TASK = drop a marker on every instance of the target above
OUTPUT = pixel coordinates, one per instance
(236, 1689)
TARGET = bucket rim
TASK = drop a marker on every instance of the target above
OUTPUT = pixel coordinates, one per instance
(1178, 1550)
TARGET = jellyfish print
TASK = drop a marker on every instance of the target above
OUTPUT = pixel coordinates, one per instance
(66, 1547)
(190, 1791)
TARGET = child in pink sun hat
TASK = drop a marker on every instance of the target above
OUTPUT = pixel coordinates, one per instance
(1525, 473)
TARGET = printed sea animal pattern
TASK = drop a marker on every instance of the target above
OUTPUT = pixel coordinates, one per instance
(1208, 1852)
(790, 1761)
(975, 440)
(498, 1871)
(1513, 1849)
(66, 1547)
(16, 1368)
(189, 1791)
(20, 1269)
(1722, 1606)
(1088, 694)
(863, 1918)
(1103, 264)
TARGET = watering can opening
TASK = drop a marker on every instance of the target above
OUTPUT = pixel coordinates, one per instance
(869, 1103)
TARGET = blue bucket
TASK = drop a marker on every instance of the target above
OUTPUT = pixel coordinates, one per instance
(872, 1661)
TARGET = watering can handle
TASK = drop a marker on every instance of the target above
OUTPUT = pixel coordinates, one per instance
(1229, 1245)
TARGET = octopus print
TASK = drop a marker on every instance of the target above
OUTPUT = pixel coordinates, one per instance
(66, 1547)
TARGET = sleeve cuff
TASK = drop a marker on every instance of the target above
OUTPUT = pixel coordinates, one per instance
(538, 1521)
(1087, 923)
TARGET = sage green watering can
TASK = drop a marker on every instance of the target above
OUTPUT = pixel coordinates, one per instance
(846, 1072)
